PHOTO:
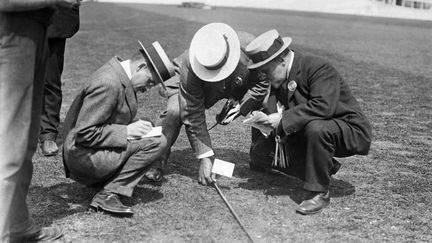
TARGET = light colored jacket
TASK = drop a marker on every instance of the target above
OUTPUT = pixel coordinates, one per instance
(95, 128)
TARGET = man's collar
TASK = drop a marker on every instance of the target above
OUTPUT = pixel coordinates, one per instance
(290, 63)
(126, 67)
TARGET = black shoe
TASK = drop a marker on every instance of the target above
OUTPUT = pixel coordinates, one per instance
(335, 168)
(314, 205)
(154, 174)
(36, 234)
(110, 202)
(49, 148)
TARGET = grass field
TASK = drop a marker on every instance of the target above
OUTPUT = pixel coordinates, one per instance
(385, 196)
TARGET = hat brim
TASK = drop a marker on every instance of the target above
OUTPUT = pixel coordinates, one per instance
(287, 42)
(153, 69)
(232, 59)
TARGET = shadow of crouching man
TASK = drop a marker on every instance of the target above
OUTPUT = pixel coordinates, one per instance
(58, 201)
(275, 183)
(66, 199)
(271, 182)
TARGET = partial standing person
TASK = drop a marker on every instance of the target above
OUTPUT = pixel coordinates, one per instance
(214, 68)
(64, 24)
(22, 70)
(103, 145)
(320, 118)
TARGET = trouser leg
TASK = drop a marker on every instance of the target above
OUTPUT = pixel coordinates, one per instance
(50, 117)
(22, 69)
(311, 151)
(171, 124)
(139, 155)
(323, 140)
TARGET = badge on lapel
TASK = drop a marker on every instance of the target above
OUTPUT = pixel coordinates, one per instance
(292, 85)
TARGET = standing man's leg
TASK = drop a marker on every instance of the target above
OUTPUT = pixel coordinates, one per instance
(22, 68)
(50, 117)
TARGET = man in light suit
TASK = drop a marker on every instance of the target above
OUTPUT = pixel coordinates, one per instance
(23, 27)
(214, 68)
(320, 118)
(103, 139)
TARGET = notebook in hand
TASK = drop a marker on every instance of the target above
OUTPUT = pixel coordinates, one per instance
(155, 132)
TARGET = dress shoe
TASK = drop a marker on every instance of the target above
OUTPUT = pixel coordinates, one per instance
(49, 148)
(110, 202)
(154, 174)
(36, 234)
(314, 205)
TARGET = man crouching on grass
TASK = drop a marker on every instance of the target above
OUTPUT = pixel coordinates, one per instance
(103, 144)
(320, 118)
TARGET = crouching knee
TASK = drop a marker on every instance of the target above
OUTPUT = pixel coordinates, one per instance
(162, 142)
(316, 130)
(152, 144)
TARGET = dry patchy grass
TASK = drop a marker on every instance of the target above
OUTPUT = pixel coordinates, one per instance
(385, 196)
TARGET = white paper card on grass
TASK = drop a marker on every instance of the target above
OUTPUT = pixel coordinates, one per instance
(223, 168)
(155, 132)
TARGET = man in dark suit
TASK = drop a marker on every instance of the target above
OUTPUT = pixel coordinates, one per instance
(214, 68)
(319, 119)
(104, 144)
(23, 27)
(64, 24)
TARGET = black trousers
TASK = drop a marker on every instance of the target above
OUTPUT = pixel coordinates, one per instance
(50, 118)
(310, 152)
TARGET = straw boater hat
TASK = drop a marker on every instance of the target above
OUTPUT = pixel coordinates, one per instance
(159, 60)
(265, 48)
(214, 52)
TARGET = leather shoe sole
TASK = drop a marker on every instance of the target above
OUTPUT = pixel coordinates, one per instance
(314, 205)
(125, 212)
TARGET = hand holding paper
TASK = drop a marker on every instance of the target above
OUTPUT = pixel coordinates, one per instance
(138, 128)
(153, 132)
(265, 123)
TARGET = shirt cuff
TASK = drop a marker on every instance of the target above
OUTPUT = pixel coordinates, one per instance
(206, 154)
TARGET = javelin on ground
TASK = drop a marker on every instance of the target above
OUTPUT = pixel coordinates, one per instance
(212, 126)
(233, 212)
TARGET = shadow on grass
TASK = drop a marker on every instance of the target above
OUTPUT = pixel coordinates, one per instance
(58, 201)
(61, 200)
(184, 162)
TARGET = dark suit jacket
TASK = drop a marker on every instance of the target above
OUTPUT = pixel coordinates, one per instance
(95, 128)
(321, 94)
(197, 95)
